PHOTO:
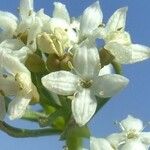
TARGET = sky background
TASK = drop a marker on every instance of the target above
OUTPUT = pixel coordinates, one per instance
(135, 99)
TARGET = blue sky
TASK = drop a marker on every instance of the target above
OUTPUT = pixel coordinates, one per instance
(135, 99)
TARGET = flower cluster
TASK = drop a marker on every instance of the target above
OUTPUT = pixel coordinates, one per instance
(131, 137)
(55, 61)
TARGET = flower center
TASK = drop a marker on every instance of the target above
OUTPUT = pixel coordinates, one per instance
(86, 84)
(23, 37)
(132, 135)
(2, 93)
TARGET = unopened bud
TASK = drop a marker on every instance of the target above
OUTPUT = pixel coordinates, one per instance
(34, 63)
(65, 62)
(55, 63)
(59, 123)
(35, 95)
(106, 57)
(23, 37)
(49, 44)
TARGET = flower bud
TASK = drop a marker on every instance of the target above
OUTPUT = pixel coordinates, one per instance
(64, 62)
(34, 63)
(106, 57)
(35, 95)
(48, 43)
(55, 63)
(23, 37)
(59, 123)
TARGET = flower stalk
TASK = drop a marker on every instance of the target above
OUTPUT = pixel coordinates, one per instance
(24, 133)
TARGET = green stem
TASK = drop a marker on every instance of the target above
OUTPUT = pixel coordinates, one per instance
(74, 143)
(117, 67)
(24, 133)
(33, 116)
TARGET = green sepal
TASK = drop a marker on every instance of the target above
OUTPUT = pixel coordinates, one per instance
(117, 67)
(35, 63)
(73, 130)
(101, 102)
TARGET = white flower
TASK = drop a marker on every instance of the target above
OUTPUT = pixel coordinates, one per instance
(85, 84)
(76, 30)
(133, 145)
(16, 84)
(119, 43)
(16, 48)
(60, 25)
(25, 29)
(29, 25)
(131, 136)
(100, 144)
(90, 20)
(8, 25)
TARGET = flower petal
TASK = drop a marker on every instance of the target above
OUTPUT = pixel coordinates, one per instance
(99, 144)
(120, 37)
(108, 69)
(131, 123)
(13, 44)
(86, 60)
(16, 48)
(139, 53)
(61, 82)
(45, 19)
(8, 22)
(83, 106)
(61, 12)
(2, 108)
(108, 85)
(34, 30)
(24, 82)
(133, 145)
(26, 8)
(145, 137)
(123, 54)
(56, 24)
(17, 107)
(117, 20)
(11, 64)
(88, 22)
(21, 54)
(8, 85)
(116, 138)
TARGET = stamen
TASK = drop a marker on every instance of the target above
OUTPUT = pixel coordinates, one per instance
(2, 93)
(119, 29)
(30, 13)
(101, 93)
(5, 75)
(132, 135)
(86, 84)
(75, 30)
(66, 30)
(101, 25)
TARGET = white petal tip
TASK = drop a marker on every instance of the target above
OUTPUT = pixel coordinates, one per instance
(58, 4)
(124, 9)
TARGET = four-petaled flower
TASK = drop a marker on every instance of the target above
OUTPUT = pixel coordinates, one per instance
(118, 41)
(131, 137)
(16, 84)
(84, 82)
